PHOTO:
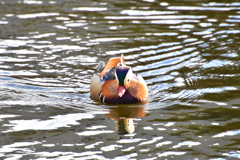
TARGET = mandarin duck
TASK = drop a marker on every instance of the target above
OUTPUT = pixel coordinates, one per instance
(117, 84)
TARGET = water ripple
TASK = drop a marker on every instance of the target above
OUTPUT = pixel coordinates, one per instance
(54, 123)
(187, 52)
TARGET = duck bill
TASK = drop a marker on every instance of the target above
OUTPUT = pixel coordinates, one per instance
(121, 91)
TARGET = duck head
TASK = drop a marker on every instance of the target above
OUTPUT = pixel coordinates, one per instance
(123, 79)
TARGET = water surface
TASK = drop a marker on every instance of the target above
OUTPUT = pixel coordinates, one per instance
(187, 51)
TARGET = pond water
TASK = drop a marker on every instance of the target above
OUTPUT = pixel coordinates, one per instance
(187, 51)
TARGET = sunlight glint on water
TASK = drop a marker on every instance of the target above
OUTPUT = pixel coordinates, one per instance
(187, 52)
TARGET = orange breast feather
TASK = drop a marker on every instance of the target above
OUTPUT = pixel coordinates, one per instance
(138, 90)
(109, 90)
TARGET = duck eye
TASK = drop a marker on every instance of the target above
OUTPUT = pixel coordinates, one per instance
(128, 80)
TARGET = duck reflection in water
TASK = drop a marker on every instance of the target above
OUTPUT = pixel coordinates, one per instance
(124, 116)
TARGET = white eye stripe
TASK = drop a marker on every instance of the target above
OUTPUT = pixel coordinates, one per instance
(128, 75)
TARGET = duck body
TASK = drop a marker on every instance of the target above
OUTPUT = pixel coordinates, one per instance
(118, 85)
(125, 99)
